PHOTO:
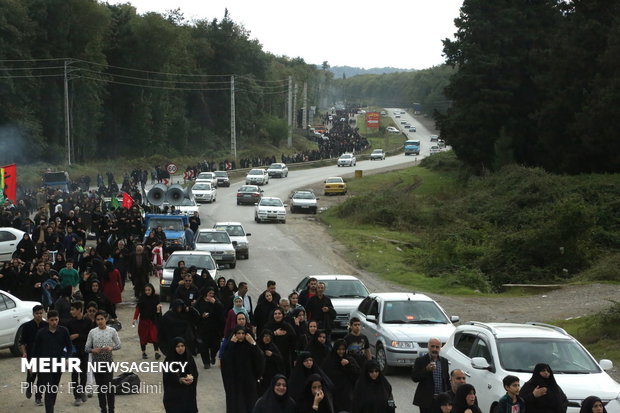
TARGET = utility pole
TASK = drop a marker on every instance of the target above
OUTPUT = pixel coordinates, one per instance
(295, 106)
(233, 131)
(67, 123)
(304, 115)
(290, 111)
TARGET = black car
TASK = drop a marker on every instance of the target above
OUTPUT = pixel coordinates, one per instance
(249, 195)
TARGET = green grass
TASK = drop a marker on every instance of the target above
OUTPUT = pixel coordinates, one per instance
(380, 138)
(599, 333)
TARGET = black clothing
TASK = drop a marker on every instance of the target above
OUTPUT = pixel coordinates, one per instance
(343, 376)
(270, 402)
(262, 312)
(426, 386)
(318, 350)
(300, 374)
(210, 329)
(180, 397)
(81, 327)
(371, 396)
(306, 401)
(459, 404)
(274, 364)
(177, 324)
(186, 294)
(284, 342)
(554, 401)
(588, 403)
(356, 347)
(29, 332)
(325, 320)
(52, 344)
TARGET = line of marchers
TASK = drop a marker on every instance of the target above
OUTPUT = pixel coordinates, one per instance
(72, 364)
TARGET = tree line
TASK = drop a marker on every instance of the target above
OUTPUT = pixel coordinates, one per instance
(138, 85)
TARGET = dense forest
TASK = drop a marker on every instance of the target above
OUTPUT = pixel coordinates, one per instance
(137, 85)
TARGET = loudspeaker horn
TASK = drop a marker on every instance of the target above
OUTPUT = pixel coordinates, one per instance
(175, 195)
(157, 194)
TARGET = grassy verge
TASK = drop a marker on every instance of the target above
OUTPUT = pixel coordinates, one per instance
(599, 333)
(379, 137)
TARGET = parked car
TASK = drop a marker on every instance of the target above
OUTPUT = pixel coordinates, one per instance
(13, 313)
(278, 170)
(257, 176)
(434, 149)
(304, 201)
(392, 129)
(207, 177)
(434, 138)
(346, 292)
(335, 185)
(270, 209)
(9, 238)
(202, 260)
(377, 154)
(204, 191)
(488, 352)
(399, 326)
(219, 244)
(237, 234)
(441, 143)
(222, 178)
(346, 159)
(249, 195)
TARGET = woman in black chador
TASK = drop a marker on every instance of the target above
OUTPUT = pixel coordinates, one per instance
(180, 386)
(372, 391)
(276, 399)
(542, 393)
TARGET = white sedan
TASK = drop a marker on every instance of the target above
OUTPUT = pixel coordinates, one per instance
(346, 159)
(257, 176)
(9, 238)
(204, 192)
(13, 313)
(270, 209)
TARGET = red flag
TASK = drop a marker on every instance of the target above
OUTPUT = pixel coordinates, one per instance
(127, 200)
(9, 178)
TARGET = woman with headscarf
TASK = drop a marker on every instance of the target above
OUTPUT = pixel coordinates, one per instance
(372, 392)
(180, 386)
(231, 316)
(227, 293)
(465, 400)
(315, 396)
(343, 371)
(273, 360)
(242, 365)
(284, 337)
(148, 310)
(96, 295)
(26, 250)
(275, 398)
(305, 366)
(262, 311)
(318, 344)
(112, 287)
(297, 319)
(542, 393)
(592, 404)
(210, 326)
(177, 322)
(205, 281)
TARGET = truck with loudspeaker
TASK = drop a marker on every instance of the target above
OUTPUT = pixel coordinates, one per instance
(172, 225)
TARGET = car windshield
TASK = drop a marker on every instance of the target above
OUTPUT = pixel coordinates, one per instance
(248, 189)
(275, 166)
(271, 202)
(345, 289)
(199, 261)
(205, 175)
(345, 156)
(166, 224)
(233, 230)
(416, 143)
(413, 312)
(202, 186)
(303, 195)
(221, 174)
(565, 356)
(334, 180)
(256, 172)
(213, 237)
(377, 151)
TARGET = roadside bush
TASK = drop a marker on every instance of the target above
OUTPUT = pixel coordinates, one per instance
(604, 269)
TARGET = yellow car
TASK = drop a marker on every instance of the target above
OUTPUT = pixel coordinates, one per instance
(335, 185)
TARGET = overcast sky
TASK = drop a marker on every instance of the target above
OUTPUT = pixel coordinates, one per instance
(406, 34)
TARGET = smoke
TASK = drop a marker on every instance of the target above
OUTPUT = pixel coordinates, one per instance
(13, 145)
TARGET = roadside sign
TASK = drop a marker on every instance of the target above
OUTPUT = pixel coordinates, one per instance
(171, 168)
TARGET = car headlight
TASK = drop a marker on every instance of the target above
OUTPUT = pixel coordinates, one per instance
(402, 344)
(242, 244)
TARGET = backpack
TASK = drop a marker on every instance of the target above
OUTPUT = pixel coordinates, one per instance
(126, 383)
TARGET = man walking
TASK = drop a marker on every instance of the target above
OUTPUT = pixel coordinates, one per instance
(430, 371)
(79, 327)
(29, 332)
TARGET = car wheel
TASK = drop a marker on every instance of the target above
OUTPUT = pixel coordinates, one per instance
(284, 221)
(214, 199)
(233, 265)
(256, 218)
(382, 360)
(15, 347)
(238, 203)
(314, 211)
(247, 255)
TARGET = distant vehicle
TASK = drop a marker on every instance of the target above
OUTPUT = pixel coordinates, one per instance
(397, 116)
(383, 113)
(219, 244)
(257, 176)
(222, 178)
(407, 126)
(237, 233)
(346, 159)
(56, 180)
(278, 170)
(249, 195)
(270, 209)
(207, 177)
(412, 129)
(392, 129)
(377, 154)
(412, 147)
(9, 238)
(400, 324)
(346, 292)
(204, 191)
(304, 201)
(173, 227)
(434, 138)
(202, 260)
(13, 314)
(403, 122)
(435, 149)
(335, 185)
(441, 143)
(188, 206)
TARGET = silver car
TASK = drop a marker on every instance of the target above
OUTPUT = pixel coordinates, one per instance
(278, 170)
(202, 260)
(237, 234)
(399, 325)
(257, 176)
(304, 201)
(219, 244)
